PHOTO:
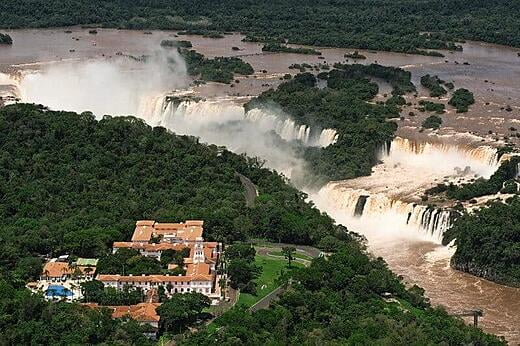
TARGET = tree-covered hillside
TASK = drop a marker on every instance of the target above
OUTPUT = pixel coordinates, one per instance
(340, 301)
(488, 242)
(71, 184)
(342, 99)
(397, 25)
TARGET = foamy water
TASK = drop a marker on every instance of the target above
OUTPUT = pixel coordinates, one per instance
(393, 190)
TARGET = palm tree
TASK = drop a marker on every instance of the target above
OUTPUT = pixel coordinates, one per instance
(88, 270)
(46, 273)
(76, 273)
(288, 253)
(222, 282)
(65, 270)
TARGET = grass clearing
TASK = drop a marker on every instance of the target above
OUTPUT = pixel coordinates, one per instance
(266, 282)
(296, 254)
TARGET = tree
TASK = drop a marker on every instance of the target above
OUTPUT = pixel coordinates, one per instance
(288, 252)
(88, 270)
(462, 99)
(181, 310)
(5, 39)
(241, 272)
(172, 256)
(328, 243)
(222, 283)
(432, 122)
(240, 250)
(92, 290)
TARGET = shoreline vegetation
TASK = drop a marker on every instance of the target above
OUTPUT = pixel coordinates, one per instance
(280, 48)
(89, 180)
(219, 69)
(383, 25)
(487, 240)
(5, 39)
(344, 104)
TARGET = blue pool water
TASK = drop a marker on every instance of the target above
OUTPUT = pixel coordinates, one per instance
(58, 291)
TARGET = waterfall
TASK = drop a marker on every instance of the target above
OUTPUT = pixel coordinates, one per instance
(390, 199)
(287, 129)
(181, 115)
(441, 156)
(327, 137)
(378, 208)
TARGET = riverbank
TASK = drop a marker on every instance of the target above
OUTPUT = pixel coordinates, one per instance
(415, 259)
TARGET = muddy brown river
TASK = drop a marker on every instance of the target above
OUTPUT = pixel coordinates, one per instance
(491, 72)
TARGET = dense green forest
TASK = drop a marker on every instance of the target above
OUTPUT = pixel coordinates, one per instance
(461, 100)
(219, 69)
(27, 319)
(398, 25)
(500, 181)
(433, 83)
(428, 106)
(432, 122)
(362, 126)
(340, 301)
(71, 184)
(279, 48)
(488, 242)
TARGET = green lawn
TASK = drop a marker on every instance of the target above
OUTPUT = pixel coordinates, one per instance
(266, 282)
(296, 254)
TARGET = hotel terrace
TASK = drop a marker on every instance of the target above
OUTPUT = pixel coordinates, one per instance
(151, 238)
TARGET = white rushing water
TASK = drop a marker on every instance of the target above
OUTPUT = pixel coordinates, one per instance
(127, 87)
(385, 207)
(189, 115)
(389, 201)
(392, 192)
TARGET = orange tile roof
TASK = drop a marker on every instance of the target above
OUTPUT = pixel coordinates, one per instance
(198, 269)
(190, 234)
(168, 226)
(208, 253)
(108, 277)
(142, 312)
(145, 223)
(157, 278)
(148, 246)
(56, 269)
(164, 246)
(142, 233)
(189, 231)
(195, 223)
(59, 269)
(127, 244)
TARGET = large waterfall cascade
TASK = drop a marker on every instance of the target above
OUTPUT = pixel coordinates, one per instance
(390, 197)
(177, 115)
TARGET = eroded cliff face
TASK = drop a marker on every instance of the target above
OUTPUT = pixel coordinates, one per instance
(477, 269)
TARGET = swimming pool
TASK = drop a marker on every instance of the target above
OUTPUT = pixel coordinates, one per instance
(58, 291)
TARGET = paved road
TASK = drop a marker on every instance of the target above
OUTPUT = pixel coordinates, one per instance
(250, 189)
(268, 299)
(307, 250)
